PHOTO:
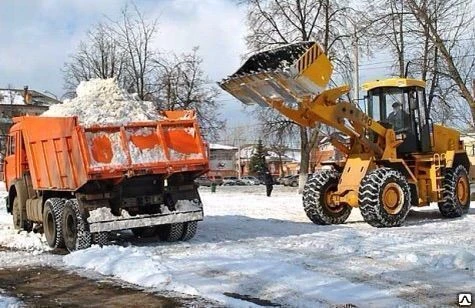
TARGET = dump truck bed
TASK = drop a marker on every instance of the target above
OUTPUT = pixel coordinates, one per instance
(63, 155)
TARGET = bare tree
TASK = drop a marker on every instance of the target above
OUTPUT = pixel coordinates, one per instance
(449, 26)
(134, 34)
(182, 84)
(98, 56)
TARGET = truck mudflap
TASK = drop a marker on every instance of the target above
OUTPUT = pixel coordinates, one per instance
(102, 220)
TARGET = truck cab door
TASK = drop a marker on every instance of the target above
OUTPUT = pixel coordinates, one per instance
(11, 162)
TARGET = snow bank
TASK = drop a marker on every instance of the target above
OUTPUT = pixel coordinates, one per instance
(130, 264)
(32, 242)
(102, 101)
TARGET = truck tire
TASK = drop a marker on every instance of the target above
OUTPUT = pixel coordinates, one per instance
(384, 197)
(100, 238)
(315, 199)
(456, 194)
(75, 228)
(52, 227)
(145, 232)
(170, 232)
(19, 217)
(189, 230)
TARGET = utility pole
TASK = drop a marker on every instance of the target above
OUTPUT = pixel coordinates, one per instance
(356, 75)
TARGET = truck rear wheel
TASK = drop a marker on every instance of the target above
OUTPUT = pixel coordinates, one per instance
(316, 199)
(189, 230)
(384, 198)
(456, 194)
(75, 228)
(52, 213)
(19, 217)
(170, 232)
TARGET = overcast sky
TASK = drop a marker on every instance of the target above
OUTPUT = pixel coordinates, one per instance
(37, 37)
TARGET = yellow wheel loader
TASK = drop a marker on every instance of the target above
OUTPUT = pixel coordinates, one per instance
(395, 158)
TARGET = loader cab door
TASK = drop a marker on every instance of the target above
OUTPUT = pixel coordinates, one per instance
(403, 109)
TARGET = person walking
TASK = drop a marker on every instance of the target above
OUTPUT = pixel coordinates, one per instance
(269, 181)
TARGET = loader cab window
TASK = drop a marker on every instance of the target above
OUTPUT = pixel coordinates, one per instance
(402, 109)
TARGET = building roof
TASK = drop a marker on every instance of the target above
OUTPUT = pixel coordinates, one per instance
(215, 146)
(16, 97)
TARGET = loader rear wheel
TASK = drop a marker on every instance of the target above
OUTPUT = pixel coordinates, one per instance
(384, 198)
(75, 228)
(19, 217)
(144, 231)
(456, 194)
(317, 202)
(53, 210)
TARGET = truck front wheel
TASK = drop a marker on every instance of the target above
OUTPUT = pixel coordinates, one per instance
(75, 229)
(19, 220)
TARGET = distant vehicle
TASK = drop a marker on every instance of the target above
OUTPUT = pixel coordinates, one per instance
(230, 180)
(208, 180)
(252, 180)
(292, 180)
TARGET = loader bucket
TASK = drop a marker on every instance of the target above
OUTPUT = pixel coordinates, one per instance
(288, 73)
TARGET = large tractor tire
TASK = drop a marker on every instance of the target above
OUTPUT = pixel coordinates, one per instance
(316, 199)
(145, 232)
(75, 228)
(20, 222)
(456, 193)
(384, 198)
(52, 227)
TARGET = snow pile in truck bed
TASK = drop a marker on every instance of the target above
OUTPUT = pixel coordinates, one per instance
(102, 101)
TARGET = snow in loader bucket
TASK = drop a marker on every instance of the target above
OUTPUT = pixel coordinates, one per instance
(287, 73)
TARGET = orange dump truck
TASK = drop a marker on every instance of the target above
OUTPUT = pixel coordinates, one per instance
(77, 183)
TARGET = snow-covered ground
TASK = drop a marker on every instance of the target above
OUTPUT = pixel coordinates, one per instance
(251, 246)
(9, 302)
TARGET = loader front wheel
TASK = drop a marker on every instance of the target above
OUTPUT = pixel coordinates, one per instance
(52, 227)
(75, 228)
(317, 199)
(384, 198)
(456, 194)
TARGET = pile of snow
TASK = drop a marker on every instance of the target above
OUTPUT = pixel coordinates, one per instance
(11, 238)
(102, 101)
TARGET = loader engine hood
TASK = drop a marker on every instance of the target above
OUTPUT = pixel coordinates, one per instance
(287, 73)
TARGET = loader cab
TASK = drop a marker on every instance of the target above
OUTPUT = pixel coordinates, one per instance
(400, 104)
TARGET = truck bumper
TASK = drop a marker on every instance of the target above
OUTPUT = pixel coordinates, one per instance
(144, 221)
